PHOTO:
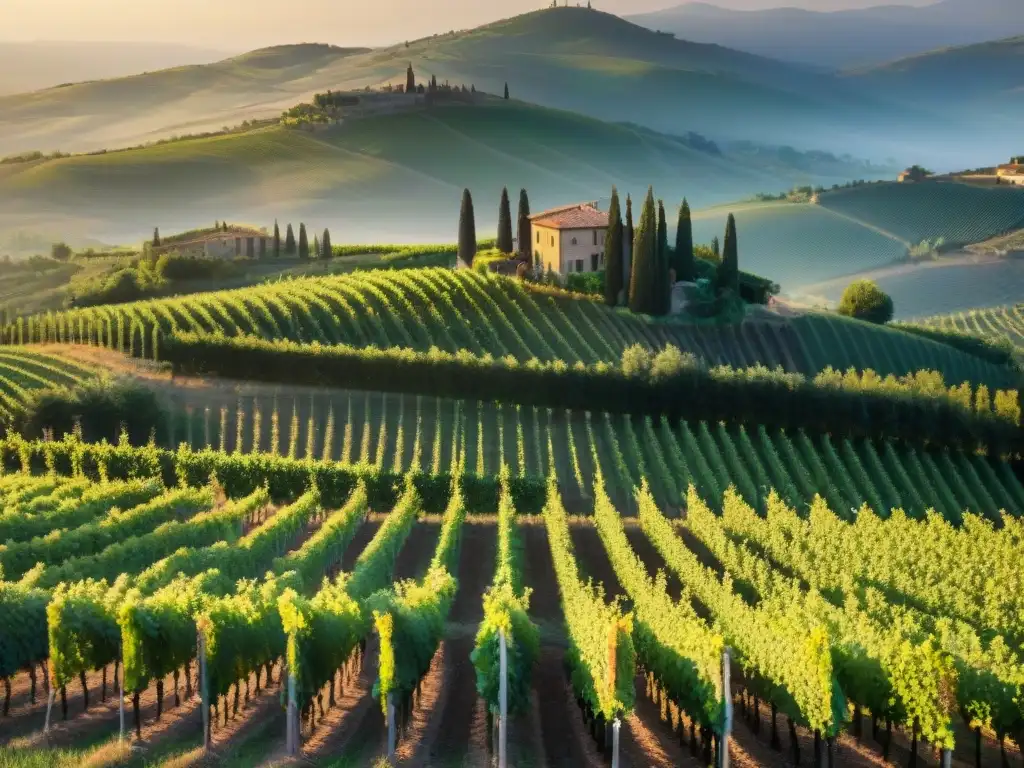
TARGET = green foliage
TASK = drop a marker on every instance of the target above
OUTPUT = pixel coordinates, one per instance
(99, 408)
(785, 660)
(864, 300)
(613, 245)
(60, 252)
(727, 277)
(995, 349)
(289, 241)
(506, 603)
(303, 242)
(643, 280)
(870, 407)
(467, 230)
(601, 656)
(523, 228)
(504, 241)
(672, 642)
(683, 255)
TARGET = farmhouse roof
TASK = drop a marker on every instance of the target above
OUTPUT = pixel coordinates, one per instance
(578, 216)
(171, 244)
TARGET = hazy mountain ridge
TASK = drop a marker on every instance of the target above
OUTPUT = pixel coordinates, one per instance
(842, 39)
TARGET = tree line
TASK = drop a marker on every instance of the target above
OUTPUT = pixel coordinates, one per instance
(669, 382)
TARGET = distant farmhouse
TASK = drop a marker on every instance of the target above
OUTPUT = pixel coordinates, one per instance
(1012, 172)
(569, 238)
(218, 243)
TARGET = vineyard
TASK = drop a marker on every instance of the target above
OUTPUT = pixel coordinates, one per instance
(959, 213)
(800, 244)
(466, 311)
(22, 371)
(998, 322)
(354, 641)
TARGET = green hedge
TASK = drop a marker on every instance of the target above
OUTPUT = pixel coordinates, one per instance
(669, 384)
(998, 351)
(241, 474)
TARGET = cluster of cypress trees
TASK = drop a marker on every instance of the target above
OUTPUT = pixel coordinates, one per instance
(467, 227)
(640, 267)
(321, 246)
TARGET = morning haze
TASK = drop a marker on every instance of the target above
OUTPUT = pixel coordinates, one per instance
(237, 24)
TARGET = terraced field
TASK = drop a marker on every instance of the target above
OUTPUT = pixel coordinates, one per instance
(959, 213)
(464, 310)
(22, 371)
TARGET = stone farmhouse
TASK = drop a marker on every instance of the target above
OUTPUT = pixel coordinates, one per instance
(569, 238)
(1012, 172)
(220, 244)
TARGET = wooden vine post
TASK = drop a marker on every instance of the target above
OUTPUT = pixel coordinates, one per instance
(293, 717)
(947, 758)
(392, 734)
(502, 701)
(119, 680)
(616, 726)
(204, 692)
(723, 742)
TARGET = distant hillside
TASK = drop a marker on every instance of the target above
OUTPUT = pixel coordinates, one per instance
(34, 65)
(570, 58)
(842, 39)
(390, 178)
(987, 78)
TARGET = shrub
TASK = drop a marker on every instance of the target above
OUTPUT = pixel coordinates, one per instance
(864, 300)
(100, 408)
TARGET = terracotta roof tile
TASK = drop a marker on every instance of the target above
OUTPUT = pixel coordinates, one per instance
(579, 216)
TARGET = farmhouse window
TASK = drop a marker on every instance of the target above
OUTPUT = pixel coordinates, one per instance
(593, 262)
(579, 265)
(538, 238)
(595, 237)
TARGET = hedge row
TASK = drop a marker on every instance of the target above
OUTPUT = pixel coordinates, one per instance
(241, 474)
(677, 390)
(998, 351)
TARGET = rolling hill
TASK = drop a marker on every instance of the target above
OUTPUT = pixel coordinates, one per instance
(569, 58)
(842, 39)
(31, 66)
(389, 178)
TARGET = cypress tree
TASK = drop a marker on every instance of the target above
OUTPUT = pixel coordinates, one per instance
(728, 274)
(467, 230)
(506, 91)
(660, 285)
(524, 231)
(303, 242)
(686, 268)
(642, 297)
(627, 244)
(325, 244)
(277, 239)
(156, 235)
(613, 246)
(289, 241)
(504, 242)
(410, 80)
(716, 247)
(316, 247)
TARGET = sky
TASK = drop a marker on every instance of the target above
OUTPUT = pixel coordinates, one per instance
(236, 25)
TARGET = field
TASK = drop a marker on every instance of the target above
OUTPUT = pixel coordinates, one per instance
(22, 371)
(424, 308)
(416, 160)
(998, 322)
(961, 214)
(799, 244)
(379, 536)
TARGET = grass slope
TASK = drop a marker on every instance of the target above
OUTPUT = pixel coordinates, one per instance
(959, 213)
(456, 310)
(391, 178)
(799, 244)
(572, 58)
